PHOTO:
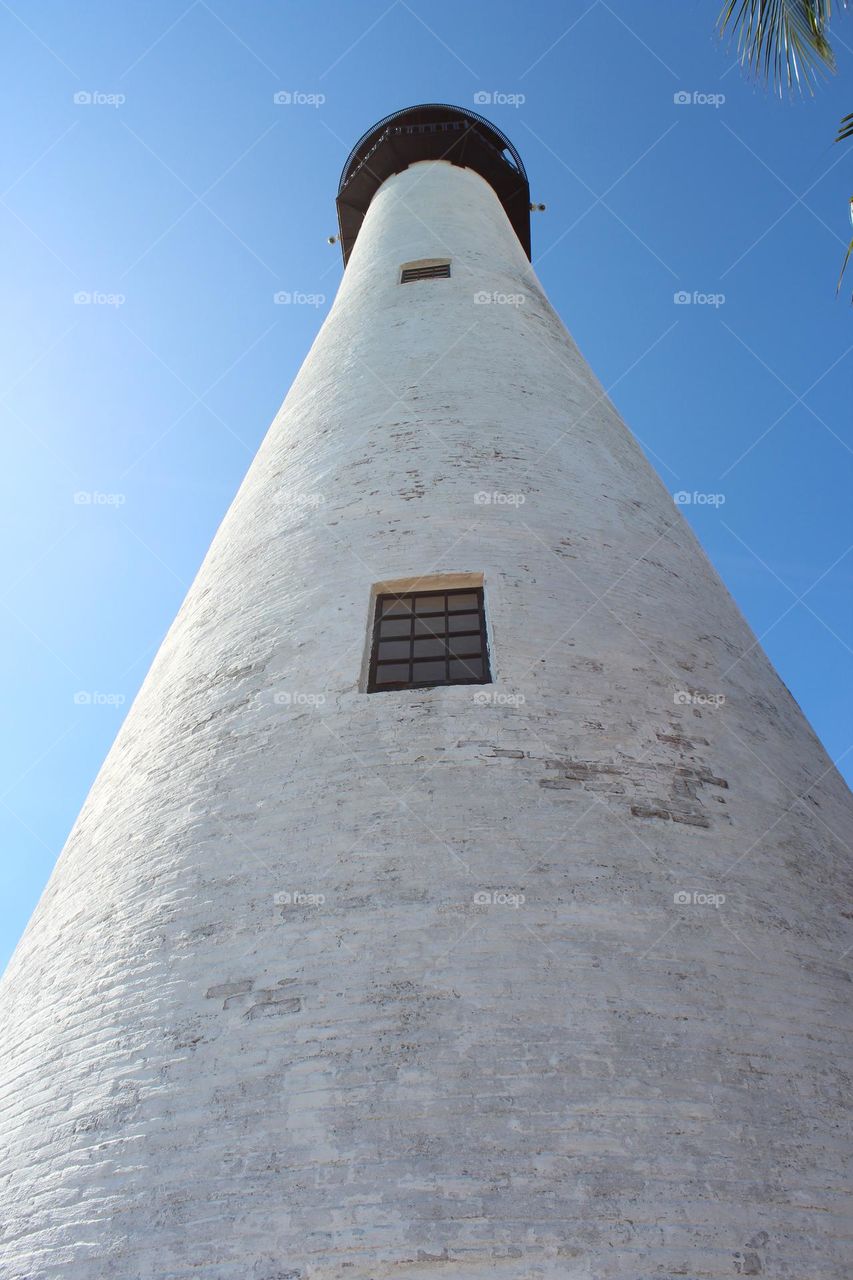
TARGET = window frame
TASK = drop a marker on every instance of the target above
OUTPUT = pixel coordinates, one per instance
(445, 613)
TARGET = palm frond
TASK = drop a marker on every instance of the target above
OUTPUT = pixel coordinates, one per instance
(782, 41)
(845, 129)
(846, 256)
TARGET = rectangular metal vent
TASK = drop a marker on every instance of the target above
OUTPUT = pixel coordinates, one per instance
(423, 638)
(438, 271)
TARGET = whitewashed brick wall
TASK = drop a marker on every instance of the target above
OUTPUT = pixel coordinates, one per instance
(405, 1070)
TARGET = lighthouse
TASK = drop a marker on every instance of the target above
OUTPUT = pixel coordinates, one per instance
(464, 894)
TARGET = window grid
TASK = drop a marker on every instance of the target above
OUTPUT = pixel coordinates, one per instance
(427, 638)
(437, 271)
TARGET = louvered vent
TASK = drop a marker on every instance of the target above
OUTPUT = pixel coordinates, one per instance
(435, 271)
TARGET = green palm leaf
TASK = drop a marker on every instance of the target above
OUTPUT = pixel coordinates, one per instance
(782, 41)
(847, 254)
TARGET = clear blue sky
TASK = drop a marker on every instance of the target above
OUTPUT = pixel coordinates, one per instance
(196, 198)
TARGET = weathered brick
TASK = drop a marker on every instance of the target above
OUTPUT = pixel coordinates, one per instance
(600, 1081)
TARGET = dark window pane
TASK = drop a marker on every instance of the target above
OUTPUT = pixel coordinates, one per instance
(394, 649)
(394, 627)
(396, 606)
(457, 603)
(429, 604)
(470, 669)
(465, 647)
(430, 626)
(392, 673)
(464, 622)
(428, 671)
(429, 648)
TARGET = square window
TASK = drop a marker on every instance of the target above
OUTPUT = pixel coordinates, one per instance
(425, 638)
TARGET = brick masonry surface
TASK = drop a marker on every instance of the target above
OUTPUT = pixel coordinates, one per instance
(330, 985)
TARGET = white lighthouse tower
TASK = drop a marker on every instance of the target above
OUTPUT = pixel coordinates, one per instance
(463, 895)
